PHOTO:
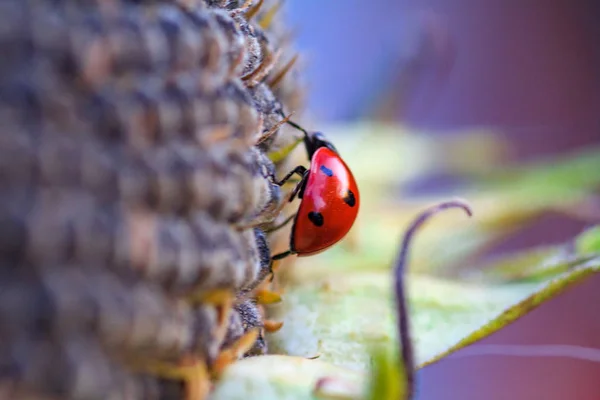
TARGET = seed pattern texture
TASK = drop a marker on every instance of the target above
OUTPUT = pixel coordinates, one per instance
(135, 188)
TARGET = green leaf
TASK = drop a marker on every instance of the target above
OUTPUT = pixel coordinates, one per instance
(530, 302)
(344, 319)
(589, 241)
(343, 315)
(339, 304)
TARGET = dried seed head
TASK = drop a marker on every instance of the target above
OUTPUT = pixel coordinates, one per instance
(182, 255)
(259, 262)
(128, 170)
(245, 317)
(59, 303)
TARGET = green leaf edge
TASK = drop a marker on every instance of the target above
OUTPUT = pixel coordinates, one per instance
(519, 310)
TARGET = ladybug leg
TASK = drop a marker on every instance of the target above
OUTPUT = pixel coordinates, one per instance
(281, 225)
(299, 189)
(261, 221)
(293, 194)
(300, 170)
(276, 257)
(281, 256)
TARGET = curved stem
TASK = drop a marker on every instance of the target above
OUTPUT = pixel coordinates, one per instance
(408, 359)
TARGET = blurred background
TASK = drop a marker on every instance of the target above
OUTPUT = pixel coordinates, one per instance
(529, 70)
(499, 84)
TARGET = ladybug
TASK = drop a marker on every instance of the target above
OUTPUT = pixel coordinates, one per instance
(330, 198)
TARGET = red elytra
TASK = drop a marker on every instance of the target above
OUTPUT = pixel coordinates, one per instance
(330, 198)
(329, 206)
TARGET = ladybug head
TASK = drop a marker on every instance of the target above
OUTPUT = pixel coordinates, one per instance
(318, 140)
(313, 140)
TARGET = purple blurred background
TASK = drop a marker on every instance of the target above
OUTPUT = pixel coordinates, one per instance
(530, 69)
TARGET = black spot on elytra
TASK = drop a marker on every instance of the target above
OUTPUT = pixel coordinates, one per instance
(349, 198)
(316, 218)
(326, 170)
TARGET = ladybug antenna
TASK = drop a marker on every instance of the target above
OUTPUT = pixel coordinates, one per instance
(406, 345)
(295, 125)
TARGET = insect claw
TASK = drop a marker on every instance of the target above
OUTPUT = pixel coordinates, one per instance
(271, 273)
(278, 257)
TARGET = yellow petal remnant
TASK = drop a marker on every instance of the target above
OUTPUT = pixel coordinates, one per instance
(236, 351)
(272, 326)
(215, 297)
(265, 297)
